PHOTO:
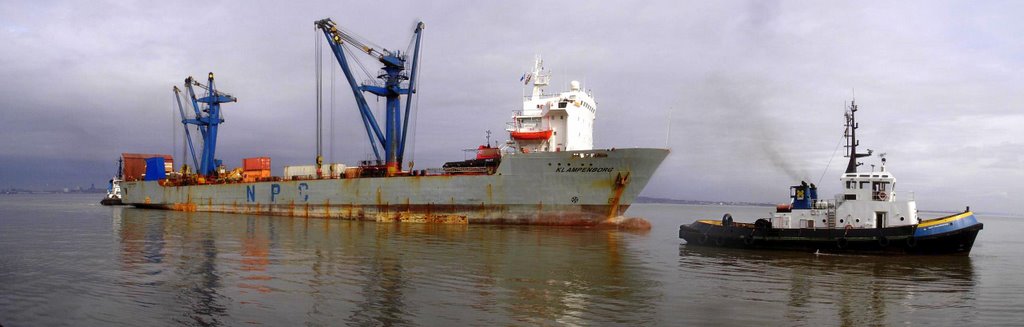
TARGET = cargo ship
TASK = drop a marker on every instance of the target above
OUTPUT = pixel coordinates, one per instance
(546, 173)
(869, 216)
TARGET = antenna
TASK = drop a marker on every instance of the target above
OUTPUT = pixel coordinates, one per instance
(851, 138)
(882, 155)
(668, 134)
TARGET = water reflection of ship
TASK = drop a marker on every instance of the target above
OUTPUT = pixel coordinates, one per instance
(376, 273)
(862, 289)
(168, 255)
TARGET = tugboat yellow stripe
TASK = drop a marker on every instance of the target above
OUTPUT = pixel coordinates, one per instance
(938, 221)
(711, 222)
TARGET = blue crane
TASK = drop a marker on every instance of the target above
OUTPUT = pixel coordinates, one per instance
(207, 118)
(392, 140)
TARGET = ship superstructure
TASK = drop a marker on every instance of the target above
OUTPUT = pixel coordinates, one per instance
(553, 122)
(552, 177)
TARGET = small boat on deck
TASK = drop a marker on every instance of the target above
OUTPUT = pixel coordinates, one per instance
(867, 217)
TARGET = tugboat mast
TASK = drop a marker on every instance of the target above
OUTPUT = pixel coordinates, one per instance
(851, 139)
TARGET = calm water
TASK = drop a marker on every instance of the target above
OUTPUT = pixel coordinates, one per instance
(65, 260)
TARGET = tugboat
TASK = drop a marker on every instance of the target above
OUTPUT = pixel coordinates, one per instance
(867, 217)
(113, 197)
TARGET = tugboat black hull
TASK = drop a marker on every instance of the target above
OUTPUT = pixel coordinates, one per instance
(953, 235)
(111, 202)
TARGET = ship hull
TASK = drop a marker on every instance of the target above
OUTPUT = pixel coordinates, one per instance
(554, 188)
(953, 235)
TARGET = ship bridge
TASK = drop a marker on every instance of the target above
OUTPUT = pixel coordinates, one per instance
(875, 186)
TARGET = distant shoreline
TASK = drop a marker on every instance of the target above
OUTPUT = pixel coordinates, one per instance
(645, 199)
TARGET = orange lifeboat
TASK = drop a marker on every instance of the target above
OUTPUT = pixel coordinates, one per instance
(541, 135)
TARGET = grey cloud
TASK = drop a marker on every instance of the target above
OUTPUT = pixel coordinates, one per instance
(755, 89)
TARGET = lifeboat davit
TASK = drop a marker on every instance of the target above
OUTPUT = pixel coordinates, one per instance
(541, 135)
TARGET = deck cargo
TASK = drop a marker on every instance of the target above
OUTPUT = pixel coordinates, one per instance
(258, 163)
(135, 164)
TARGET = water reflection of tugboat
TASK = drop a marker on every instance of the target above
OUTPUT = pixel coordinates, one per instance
(113, 197)
(866, 217)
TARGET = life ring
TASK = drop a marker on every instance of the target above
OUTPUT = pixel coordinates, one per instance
(842, 242)
(847, 229)
(882, 195)
(719, 241)
(749, 240)
(911, 242)
(703, 239)
(883, 241)
(762, 224)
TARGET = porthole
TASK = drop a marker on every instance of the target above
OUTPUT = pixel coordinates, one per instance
(858, 220)
(841, 221)
(559, 163)
(901, 218)
(823, 220)
(549, 164)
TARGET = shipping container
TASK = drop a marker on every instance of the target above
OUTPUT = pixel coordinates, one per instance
(334, 170)
(256, 163)
(352, 172)
(156, 169)
(255, 175)
(135, 164)
(291, 172)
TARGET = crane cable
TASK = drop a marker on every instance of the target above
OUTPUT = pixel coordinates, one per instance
(174, 127)
(358, 63)
(318, 70)
(331, 138)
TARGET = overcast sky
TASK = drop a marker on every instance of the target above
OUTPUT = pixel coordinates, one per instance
(754, 90)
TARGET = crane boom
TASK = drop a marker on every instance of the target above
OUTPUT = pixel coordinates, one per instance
(184, 123)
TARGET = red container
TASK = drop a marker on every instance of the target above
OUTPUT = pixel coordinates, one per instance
(257, 163)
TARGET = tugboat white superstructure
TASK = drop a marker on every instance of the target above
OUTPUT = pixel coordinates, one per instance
(868, 216)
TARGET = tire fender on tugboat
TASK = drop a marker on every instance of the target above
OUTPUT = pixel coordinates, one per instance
(842, 242)
(749, 240)
(911, 242)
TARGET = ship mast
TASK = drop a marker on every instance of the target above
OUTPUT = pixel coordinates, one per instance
(540, 78)
(851, 139)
